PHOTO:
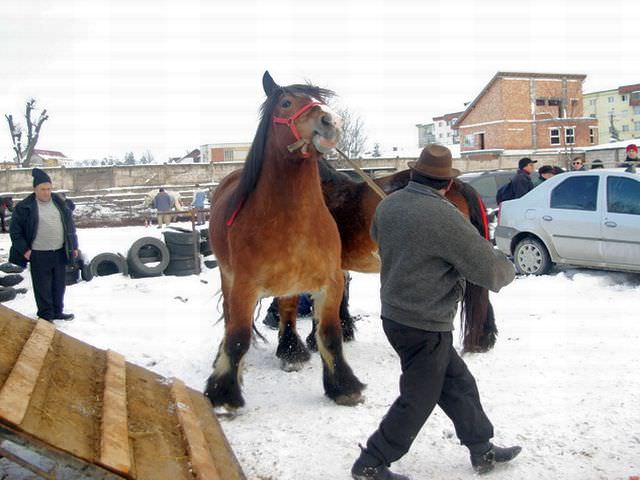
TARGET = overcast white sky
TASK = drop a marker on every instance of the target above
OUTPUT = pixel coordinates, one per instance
(168, 76)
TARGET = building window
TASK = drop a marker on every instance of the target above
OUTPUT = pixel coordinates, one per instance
(624, 98)
(569, 135)
(592, 101)
(554, 102)
(635, 95)
(593, 115)
(540, 102)
(469, 141)
(228, 155)
(593, 135)
(625, 128)
(636, 126)
(636, 109)
(554, 136)
(610, 99)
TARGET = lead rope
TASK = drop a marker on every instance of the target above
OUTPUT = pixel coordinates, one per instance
(374, 186)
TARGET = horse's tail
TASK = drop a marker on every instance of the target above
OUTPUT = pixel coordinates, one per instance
(478, 323)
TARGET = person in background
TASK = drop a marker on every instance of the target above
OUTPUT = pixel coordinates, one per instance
(521, 183)
(44, 235)
(596, 164)
(421, 286)
(545, 172)
(577, 165)
(632, 158)
(558, 170)
(199, 197)
(162, 203)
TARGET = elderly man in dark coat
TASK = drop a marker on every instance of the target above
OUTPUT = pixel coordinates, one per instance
(427, 251)
(43, 234)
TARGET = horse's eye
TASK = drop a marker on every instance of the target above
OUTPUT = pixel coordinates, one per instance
(285, 104)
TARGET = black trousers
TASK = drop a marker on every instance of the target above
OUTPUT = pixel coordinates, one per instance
(432, 374)
(48, 277)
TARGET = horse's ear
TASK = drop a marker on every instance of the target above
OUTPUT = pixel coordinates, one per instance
(268, 84)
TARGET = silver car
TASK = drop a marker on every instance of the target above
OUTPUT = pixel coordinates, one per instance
(587, 219)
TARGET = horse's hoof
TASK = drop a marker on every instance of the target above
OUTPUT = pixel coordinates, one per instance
(312, 344)
(350, 400)
(291, 366)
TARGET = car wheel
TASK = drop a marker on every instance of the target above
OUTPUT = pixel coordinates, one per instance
(531, 257)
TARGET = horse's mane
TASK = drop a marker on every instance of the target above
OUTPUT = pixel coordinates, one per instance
(255, 157)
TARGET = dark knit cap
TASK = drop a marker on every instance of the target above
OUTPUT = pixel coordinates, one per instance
(40, 176)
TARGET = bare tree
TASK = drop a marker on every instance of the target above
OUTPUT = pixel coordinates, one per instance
(353, 133)
(23, 157)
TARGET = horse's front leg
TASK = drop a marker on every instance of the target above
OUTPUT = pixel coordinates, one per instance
(291, 350)
(223, 385)
(340, 383)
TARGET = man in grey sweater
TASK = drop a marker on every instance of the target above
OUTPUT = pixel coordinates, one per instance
(428, 250)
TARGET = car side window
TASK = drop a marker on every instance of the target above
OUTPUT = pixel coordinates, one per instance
(486, 186)
(623, 195)
(576, 193)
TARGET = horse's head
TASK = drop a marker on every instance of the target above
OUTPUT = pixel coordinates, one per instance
(301, 119)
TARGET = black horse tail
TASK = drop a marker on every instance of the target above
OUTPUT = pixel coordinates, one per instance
(477, 321)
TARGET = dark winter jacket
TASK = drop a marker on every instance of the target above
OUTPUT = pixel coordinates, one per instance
(630, 164)
(24, 226)
(427, 250)
(521, 184)
(162, 202)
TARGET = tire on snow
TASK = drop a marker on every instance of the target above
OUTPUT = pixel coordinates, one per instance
(7, 294)
(108, 264)
(10, 280)
(147, 249)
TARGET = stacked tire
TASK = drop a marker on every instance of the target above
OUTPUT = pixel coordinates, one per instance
(147, 257)
(205, 248)
(104, 264)
(182, 258)
(72, 272)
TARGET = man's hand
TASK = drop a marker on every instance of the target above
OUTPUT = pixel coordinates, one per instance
(27, 254)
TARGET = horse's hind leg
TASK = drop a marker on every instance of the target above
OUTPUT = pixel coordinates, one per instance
(223, 385)
(346, 320)
(340, 384)
(291, 350)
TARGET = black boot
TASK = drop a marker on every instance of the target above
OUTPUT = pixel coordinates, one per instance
(363, 469)
(485, 462)
(360, 471)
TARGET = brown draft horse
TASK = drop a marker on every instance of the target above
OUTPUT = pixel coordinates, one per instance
(353, 205)
(273, 235)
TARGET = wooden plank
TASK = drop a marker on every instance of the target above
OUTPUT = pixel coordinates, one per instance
(17, 390)
(201, 459)
(114, 438)
(223, 456)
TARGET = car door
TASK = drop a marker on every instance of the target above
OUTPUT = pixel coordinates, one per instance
(621, 221)
(572, 220)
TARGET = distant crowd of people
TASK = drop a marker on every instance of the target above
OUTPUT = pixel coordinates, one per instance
(525, 180)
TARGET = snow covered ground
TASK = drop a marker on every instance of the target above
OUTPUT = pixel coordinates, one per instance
(563, 380)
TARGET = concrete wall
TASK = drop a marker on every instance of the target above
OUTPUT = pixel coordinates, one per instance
(78, 180)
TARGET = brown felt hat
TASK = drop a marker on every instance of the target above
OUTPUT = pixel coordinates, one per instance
(435, 162)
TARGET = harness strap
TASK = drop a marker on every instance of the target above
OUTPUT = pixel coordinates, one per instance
(290, 122)
(234, 214)
(485, 221)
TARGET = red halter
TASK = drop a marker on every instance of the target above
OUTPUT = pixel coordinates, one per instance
(291, 122)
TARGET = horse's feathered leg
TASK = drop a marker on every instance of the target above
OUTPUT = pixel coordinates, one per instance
(340, 384)
(346, 320)
(223, 386)
(291, 350)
